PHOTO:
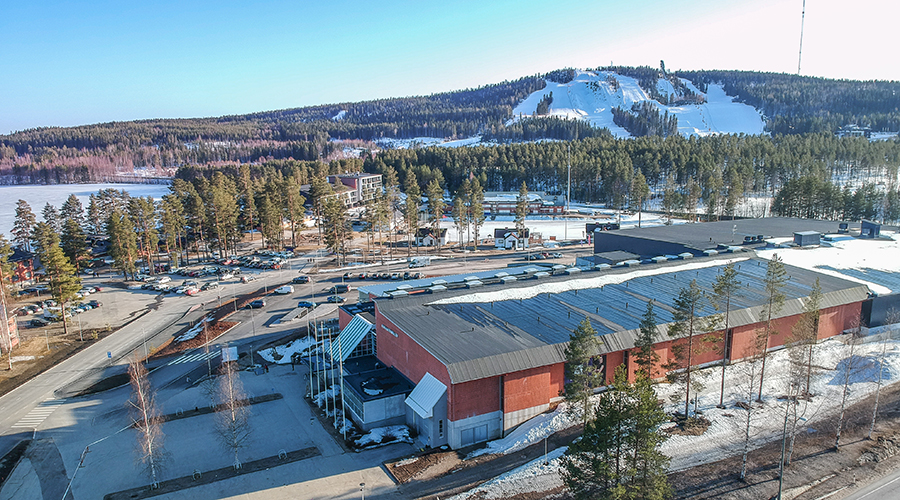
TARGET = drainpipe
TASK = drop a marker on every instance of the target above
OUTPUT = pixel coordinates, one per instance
(502, 409)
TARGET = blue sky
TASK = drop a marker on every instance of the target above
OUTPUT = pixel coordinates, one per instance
(77, 62)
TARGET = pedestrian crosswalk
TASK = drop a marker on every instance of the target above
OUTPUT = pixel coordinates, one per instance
(38, 414)
(200, 356)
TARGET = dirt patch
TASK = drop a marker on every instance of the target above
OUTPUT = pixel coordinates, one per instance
(213, 331)
(48, 347)
(694, 426)
(410, 467)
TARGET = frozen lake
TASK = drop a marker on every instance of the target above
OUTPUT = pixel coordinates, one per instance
(38, 196)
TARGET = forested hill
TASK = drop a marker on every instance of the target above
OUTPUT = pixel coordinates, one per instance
(801, 104)
(643, 101)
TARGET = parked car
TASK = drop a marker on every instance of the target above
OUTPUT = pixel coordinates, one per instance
(247, 278)
(395, 276)
(556, 255)
(38, 322)
(300, 280)
(95, 303)
(307, 304)
(284, 290)
(212, 285)
(337, 299)
(257, 304)
(346, 276)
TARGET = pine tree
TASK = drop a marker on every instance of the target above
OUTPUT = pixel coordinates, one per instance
(336, 226)
(411, 209)
(293, 203)
(123, 247)
(435, 195)
(726, 287)
(74, 210)
(476, 208)
(74, 244)
(143, 213)
(174, 226)
(247, 199)
(640, 192)
(5, 298)
(50, 215)
(95, 223)
(645, 356)
(582, 371)
(392, 200)
(64, 282)
(23, 227)
(688, 312)
(521, 211)
(776, 278)
(618, 455)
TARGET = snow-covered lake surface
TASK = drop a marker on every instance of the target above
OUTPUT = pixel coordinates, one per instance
(38, 196)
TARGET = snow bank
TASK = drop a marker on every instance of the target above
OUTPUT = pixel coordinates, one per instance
(581, 284)
(531, 432)
(194, 331)
(541, 474)
(284, 352)
(399, 433)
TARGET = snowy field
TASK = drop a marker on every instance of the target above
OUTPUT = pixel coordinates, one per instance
(38, 196)
(724, 437)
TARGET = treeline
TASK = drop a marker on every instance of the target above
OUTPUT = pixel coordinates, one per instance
(796, 104)
(648, 79)
(723, 167)
(551, 127)
(812, 197)
(645, 119)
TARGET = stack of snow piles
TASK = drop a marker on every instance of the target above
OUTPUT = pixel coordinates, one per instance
(193, 332)
(287, 351)
(379, 435)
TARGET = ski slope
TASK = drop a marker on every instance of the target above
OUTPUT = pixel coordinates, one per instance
(590, 97)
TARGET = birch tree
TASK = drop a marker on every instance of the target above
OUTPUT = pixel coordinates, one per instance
(855, 328)
(233, 421)
(726, 287)
(145, 419)
(776, 278)
(688, 311)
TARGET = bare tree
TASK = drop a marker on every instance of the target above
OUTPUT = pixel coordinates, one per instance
(233, 421)
(893, 317)
(750, 368)
(145, 418)
(856, 325)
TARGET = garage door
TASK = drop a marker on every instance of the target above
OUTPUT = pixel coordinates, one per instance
(473, 435)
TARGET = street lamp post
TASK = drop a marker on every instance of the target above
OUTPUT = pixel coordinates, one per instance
(362, 490)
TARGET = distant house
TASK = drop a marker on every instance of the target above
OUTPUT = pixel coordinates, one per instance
(363, 186)
(425, 237)
(510, 238)
(23, 266)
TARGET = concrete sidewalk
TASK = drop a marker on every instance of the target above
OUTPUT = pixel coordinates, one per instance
(286, 424)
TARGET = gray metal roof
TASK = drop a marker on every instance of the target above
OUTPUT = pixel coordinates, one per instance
(706, 235)
(425, 395)
(483, 339)
(380, 288)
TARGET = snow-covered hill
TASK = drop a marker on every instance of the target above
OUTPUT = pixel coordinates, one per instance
(589, 96)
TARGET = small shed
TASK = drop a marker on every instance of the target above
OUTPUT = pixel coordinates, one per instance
(869, 229)
(807, 238)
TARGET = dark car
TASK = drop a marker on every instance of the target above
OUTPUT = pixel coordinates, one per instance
(257, 304)
(38, 322)
(94, 303)
(336, 299)
(300, 279)
(307, 304)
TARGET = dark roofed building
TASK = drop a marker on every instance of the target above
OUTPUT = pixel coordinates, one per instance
(23, 266)
(697, 238)
(500, 354)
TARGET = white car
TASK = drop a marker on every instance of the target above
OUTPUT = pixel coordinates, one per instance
(284, 290)
(164, 279)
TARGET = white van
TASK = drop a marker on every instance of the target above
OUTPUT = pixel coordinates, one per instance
(284, 290)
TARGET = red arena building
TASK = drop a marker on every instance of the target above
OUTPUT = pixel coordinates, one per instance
(484, 355)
